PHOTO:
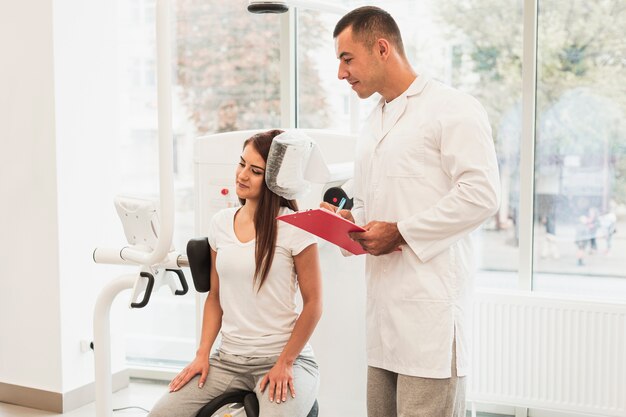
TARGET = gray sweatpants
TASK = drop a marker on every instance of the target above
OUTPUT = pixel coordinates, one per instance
(230, 373)
(390, 394)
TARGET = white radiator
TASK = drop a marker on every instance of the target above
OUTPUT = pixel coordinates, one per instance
(556, 354)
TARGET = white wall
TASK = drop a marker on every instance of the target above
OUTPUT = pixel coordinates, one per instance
(59, 129)
(87, 108)
(30, 345)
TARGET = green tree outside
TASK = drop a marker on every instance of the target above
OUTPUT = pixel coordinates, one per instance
(581, 56)
(229, 66)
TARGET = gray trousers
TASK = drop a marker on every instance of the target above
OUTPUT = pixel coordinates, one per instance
(230, 373)
(390, 394)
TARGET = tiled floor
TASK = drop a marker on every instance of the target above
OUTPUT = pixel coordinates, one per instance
(140, 393)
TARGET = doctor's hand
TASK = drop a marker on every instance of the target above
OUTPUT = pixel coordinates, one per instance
(380, 238)
(279, 380)
(346, 214)
(200, 365)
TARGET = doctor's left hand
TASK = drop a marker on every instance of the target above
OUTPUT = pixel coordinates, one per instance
(380, 238)
(279, 380)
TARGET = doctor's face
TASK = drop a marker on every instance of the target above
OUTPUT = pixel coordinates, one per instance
(358, 65)
(250, 174)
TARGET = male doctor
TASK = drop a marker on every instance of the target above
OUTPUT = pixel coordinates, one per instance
(425, 176)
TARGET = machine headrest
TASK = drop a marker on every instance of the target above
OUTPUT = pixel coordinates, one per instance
(199, 255)
(293, 162)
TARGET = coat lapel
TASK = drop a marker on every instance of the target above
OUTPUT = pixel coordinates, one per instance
(381, 130)
(377, 121)
(395, 116)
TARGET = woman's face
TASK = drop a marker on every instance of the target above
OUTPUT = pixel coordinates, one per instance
(250, 174)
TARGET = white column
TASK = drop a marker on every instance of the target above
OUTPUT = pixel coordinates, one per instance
(527, 147)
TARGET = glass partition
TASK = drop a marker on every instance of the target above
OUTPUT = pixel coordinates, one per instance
(580, 169)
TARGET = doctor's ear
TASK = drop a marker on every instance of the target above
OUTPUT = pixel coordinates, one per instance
(383, 48)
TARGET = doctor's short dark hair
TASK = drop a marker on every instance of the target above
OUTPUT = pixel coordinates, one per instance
(370, 23)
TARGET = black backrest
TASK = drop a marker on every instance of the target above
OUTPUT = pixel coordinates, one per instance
(199, 255)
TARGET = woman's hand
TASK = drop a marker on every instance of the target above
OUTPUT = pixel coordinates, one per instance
(279, 380)
(200, 365)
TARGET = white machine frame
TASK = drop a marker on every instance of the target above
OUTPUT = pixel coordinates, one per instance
(151, 259)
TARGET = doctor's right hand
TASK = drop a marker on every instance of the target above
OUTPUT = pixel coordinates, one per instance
(200, 365)
(346, 214)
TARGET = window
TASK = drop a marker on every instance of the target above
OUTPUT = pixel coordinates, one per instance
(323, 100)
(580, 167)
(228, 66)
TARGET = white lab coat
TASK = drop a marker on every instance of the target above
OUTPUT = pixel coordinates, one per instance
(433, 170)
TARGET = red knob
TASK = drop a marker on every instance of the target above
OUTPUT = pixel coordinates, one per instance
(224, 191)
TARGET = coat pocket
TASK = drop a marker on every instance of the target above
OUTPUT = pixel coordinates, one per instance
(405, 157)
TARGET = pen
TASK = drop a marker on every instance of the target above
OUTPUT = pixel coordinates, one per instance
(341, 203)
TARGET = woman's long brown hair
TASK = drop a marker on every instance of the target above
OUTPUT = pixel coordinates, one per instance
(265, 223)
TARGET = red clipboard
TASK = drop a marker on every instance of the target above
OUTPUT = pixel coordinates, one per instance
(327, 225)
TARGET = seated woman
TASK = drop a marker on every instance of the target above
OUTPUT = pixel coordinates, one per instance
(258, 264)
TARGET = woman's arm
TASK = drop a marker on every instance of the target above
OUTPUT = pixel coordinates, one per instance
(211, 324)
(280, 377)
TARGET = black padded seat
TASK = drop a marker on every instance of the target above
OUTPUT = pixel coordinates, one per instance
(247, 398)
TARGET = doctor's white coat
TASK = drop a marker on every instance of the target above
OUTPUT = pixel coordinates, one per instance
(433, 170)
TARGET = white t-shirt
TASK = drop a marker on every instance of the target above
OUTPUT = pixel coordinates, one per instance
(390, 112)
(256, 323)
